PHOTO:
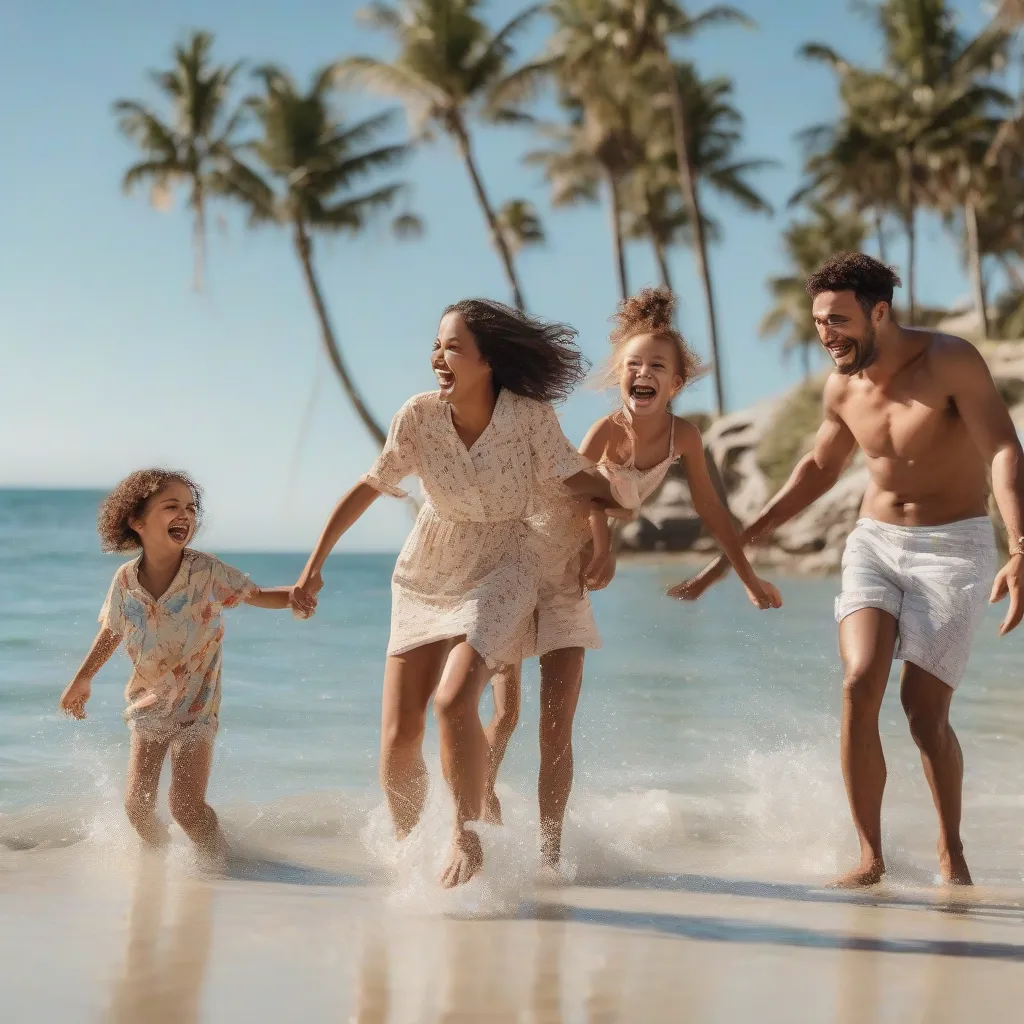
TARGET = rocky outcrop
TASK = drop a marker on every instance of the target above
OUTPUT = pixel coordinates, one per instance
(813, 542)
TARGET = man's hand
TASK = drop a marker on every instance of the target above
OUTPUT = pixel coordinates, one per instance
(693, 588)
(598, 572)
(72, 700)
(1010, 581)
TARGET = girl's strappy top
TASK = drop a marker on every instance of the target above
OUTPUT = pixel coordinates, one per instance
(631, 487)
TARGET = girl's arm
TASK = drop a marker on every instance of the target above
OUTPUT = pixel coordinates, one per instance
(598, 574)
(345, 513)
(77, 692)
(277, 598)
(709, 507)
(590, 485)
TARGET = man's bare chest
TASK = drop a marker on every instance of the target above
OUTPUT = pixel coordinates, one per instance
(902, 424)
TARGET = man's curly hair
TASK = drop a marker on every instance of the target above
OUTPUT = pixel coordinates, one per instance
(870, 280)
(128, 501)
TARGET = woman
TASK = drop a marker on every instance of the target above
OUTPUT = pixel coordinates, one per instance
(465, 584)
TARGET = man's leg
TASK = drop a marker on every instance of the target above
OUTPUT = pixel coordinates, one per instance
(867, 639)
(926, 701)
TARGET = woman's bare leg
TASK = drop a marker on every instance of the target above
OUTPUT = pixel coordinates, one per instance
(561, 677)
(464, 755)
(191, 761)
(507, 688)
(409, 680)
(145, 763)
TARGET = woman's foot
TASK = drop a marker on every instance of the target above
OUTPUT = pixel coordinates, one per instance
(492, 809)
(870, 872)
(464, 861)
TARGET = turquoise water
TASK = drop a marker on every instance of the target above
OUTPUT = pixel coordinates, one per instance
(707, 734)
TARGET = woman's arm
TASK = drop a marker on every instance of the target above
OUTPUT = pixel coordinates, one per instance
(78, 691)
(345, 513)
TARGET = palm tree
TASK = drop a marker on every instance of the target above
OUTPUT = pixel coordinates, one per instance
(520, 224)
(194, 143)
(808, 243)
(924, 111)
(307, 165)
(449, 68)
(713, 134)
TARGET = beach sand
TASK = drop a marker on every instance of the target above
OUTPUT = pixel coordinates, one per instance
(137, 938)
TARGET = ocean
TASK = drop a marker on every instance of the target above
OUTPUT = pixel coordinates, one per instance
(706, 743)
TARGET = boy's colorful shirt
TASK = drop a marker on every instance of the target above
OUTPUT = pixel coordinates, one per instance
(174, 643)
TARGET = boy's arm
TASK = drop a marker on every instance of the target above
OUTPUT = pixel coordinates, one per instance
(76, 693)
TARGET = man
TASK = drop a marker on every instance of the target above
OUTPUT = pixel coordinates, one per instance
(916, 570)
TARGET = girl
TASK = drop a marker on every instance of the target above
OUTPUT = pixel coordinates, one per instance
(634, 447)
(166, 606)
(465, 584)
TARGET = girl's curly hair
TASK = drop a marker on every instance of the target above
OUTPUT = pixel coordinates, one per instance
(531, 357)
(650, 311)
(128, 501)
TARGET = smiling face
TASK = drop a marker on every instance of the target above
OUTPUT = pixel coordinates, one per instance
(846, 332)
(456, 360)
(649, 377)
(168, 521)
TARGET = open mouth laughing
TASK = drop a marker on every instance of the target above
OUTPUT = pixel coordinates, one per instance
(446, 380)
(642, 395)
(178, 532)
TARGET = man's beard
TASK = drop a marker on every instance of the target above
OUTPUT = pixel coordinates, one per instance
(866, 352)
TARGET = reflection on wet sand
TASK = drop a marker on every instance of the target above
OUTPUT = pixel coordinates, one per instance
(164, 967)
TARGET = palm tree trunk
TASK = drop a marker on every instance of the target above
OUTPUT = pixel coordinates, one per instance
(688, 185)
(910, 224)
(805, 359)
(461, 136)
(880, 233)
(661, 258)
(974, 259)
(303, 247)
(617, 243)
(198, 239)
(1012, 273)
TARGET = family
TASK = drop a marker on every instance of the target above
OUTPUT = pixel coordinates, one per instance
(514, 533)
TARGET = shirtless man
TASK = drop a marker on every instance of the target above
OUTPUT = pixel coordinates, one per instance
(917, 568)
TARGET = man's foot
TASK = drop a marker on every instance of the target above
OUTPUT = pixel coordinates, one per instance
(465, 860)
(953, 869)
(867, 874)
(492, 809)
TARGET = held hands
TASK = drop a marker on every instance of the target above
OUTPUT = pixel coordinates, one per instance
(598, 572)
(1010, 581)
(72, 700)
(302, 596)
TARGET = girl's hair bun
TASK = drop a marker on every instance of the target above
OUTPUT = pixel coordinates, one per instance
(649, 311)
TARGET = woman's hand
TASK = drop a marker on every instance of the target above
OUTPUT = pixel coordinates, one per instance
(74, 697)
(302, 596)
(693, 588)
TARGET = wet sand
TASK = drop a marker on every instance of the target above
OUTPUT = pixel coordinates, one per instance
(162, 943)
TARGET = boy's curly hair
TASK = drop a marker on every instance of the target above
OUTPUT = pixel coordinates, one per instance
(128, 500)
(650, 311)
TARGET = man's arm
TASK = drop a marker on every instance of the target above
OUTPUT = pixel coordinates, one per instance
(814, 475)
(991, 429)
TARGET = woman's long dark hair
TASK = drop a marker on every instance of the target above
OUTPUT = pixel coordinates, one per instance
(530, 357)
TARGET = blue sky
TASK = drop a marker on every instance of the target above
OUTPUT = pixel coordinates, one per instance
(111, 362)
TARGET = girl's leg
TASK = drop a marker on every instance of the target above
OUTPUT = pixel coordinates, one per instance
(191, 761)
(145, 762)
(409, 680)
(561, 676)
(464, 753)
(507, 689)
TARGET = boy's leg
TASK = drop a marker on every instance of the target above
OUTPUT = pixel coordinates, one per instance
(191, 761)
(145, 762)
